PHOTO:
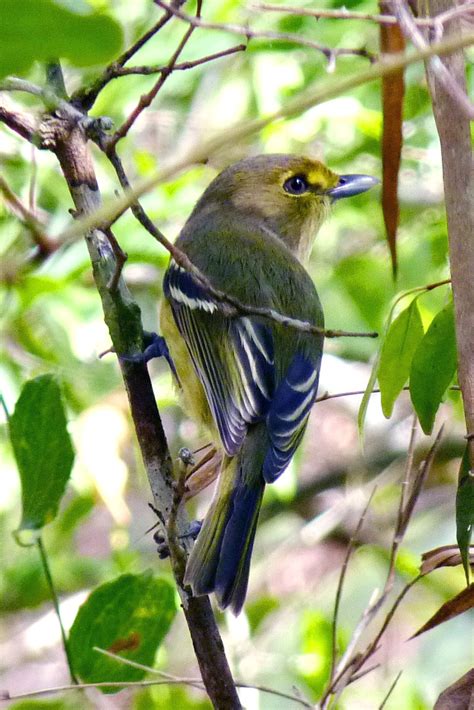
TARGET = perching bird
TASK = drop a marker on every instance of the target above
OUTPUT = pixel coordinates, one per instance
(248, 380)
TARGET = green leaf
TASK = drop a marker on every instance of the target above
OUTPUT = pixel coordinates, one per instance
(130, 617)
(43, 450)
(465, 511)
(43, 30)
(398, 348)
(433, 367)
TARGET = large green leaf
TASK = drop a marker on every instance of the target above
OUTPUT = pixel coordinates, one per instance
(465, 511)
(401, 341)
(43, 450)
(130, 617)
(43, 30)
(433, 367)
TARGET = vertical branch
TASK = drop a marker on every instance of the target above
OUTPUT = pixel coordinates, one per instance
(458, 175)
(122, 317)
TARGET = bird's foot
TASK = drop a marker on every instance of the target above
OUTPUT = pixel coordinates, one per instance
(162, 548)
(155, 346)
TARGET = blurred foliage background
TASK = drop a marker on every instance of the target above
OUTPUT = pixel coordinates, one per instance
(51, 321)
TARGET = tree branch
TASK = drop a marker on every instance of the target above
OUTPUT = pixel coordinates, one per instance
(86, 97)
(146, 99)
(315, 95)
(458, 175)
(182, 66)
(19, 122)
(444, 77)
(123, 320)
(249, 33)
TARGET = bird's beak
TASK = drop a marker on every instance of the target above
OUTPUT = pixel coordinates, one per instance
(350, 185)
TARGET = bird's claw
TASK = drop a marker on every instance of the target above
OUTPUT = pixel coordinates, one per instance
(162, 548)
(155, 346)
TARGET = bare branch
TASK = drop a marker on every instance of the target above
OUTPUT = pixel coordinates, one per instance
(146, 99)
(344, 14)
(390, 691)
(249, 33)
(340, 584)
(315, 95)
(352, 662)
(183, 66)
(85, 98)
(458, 176)
(405, 18)
(122, 317)
(19, 122)
(37, 229)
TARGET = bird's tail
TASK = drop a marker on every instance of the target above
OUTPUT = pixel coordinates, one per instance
(220, 559)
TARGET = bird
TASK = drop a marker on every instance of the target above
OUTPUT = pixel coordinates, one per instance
(247, 379)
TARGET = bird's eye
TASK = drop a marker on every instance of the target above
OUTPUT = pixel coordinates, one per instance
(296, 185)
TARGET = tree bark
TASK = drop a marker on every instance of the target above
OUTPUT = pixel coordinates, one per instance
(458, 175)
(122, 317)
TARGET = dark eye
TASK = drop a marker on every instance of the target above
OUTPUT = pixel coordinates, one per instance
(296, 185)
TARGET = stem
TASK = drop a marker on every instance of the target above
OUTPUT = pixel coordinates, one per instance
(122, 317)
(458, 175)
(55, 600)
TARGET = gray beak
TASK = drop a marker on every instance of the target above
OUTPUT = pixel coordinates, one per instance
(350, 185)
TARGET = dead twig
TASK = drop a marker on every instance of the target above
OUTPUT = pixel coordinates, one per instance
(86, 97)
(340, 584)
(146, 99)
(182, 66)
(249, 33)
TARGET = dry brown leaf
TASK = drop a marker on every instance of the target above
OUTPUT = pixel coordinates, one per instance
(455, 606)
(459, 695)
(393, 89)
(445, 556)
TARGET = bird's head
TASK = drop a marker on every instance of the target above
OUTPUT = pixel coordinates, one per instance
(289, 194)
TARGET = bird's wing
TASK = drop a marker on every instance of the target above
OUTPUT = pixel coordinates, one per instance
(233, 358)
(288, 414)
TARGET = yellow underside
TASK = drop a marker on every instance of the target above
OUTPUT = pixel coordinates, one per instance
(193, 398)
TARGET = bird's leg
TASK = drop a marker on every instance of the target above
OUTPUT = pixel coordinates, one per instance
(186, 459)
(155, 346)
(205, 470)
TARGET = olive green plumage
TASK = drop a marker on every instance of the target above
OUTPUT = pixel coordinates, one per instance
(249, 381)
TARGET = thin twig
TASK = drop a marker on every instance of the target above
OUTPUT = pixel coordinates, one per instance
(197, 682)
(182, 66)
(120, 259)
(55, 600)
(390, 691)
(340, 584)
(45, 244)
(408, 26)
(349, 663)
(249, 33)
(85, 97)
(146, 99)
(313, 96)
(326, 396)
(344, 14)
(399, 527)
(5, 695)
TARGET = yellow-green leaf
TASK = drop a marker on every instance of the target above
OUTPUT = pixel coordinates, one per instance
(433, 367)
(129, 617)
(42, 30)
(398, 349)
(43, 450)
